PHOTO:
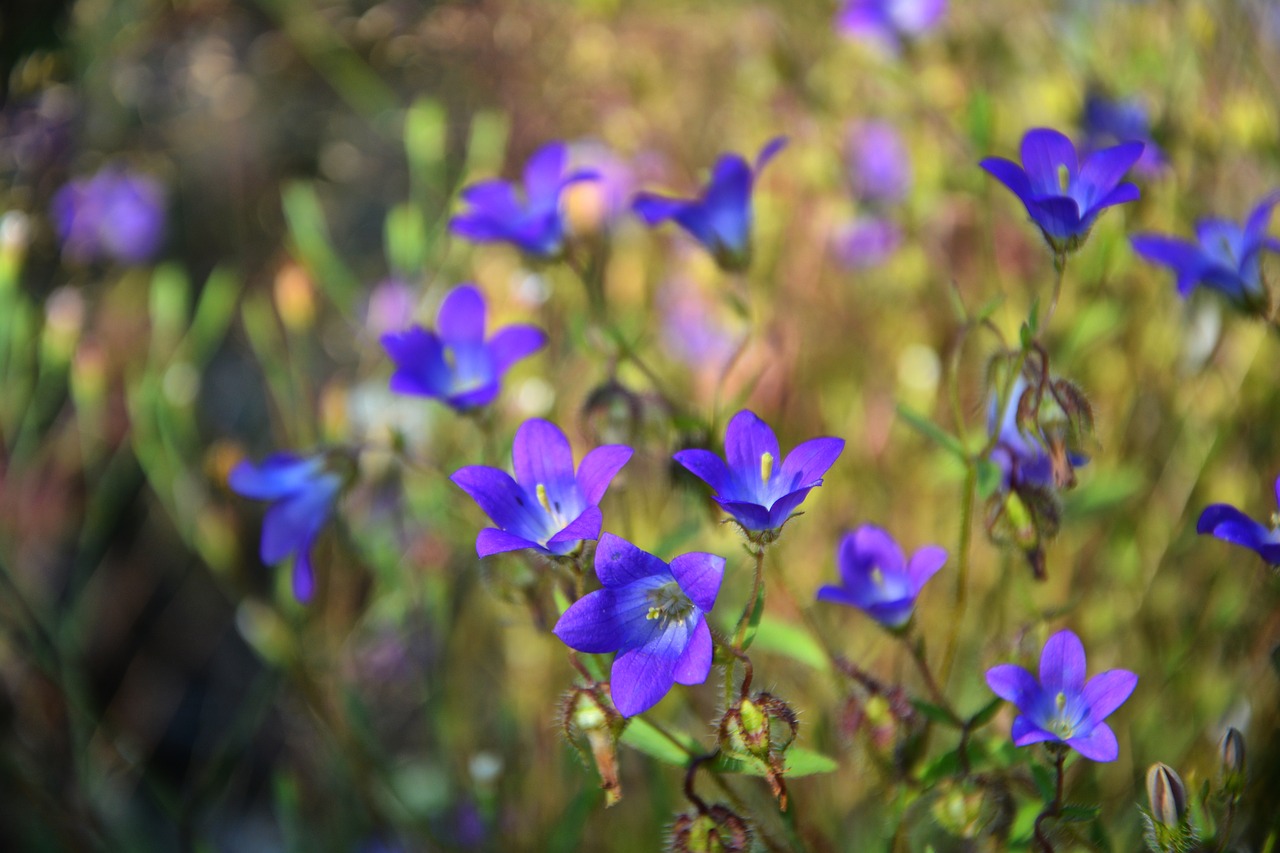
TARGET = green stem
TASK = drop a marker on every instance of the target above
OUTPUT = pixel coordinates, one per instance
(757, 591)
(962, 567)
(1052, 809)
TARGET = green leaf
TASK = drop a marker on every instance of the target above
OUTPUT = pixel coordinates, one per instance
(933, 712)
(642, 735)
(405, 235)
(988, 308)
(1045, 782)
(795, 642)
(989, 478)
(214, 313)
(932, 431)
(985, 715)
(799, 762)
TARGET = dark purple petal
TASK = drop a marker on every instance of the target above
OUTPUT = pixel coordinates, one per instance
(1011, 175)
(924, 564)
(541, 455)
(769, 151)
(1107, 691)
(1259, 221)
(728, 202)
(746, 439)
(585, 526)
(708, 467)
(1025, 732)
(543, 171)
(782, 508)
(893, 614)
(1043, 151)
(512, 343)
(805, 465)
(482, 395)
(839, 595)
(699, 576)
(277, 476)
(502, 499)
(1122, 194)
(421, 368)
(598, 468)
(1014, 684)
(1099, 745)
(869, 546)
(618, 562)
(495, 197)
(694, 665)
(492, 541)
(1103, 170)
(654, 209)
(303, 578)
(589, 625)
(640, 678)
(1277, 490)
(1058, 217)
(1062, 664)
(1216, 514)
(461, 316)
(750, 516)
(1185, 258)
(292, 524)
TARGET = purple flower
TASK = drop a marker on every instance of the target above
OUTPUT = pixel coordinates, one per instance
(758, 493)
(1061, 707)
(1021, 457)
(454, 363)
(1231, 525)
(879, 170)
(1226, 257)
(865, 242)
(652, 614)
(115, 214)
(1109, 122)
(390, 307)
(877, 579)
(1063, 196)
(889, 22)
(720, 219)
(693, 330)
(535, 224)
(547, 507)
(303, 491)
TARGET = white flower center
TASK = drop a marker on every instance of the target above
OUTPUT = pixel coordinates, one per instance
(669, 604)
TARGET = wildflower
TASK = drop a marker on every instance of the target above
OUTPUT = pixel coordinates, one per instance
(757, 492)
(877, 579)
(889, 22)
(454, 363)
(865, 242)
(721, 218)
(1063, 196)
(546, 507)
(534, 224)
(1110, 121)
(1225, 257)
(115, 214)
(303, 491)
(652, 614)
(1231, 525)
(1061, 707)
(879, 170)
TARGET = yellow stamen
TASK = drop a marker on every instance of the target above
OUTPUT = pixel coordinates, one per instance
(877, 576)
(1064, 177)
(766, 466)
(654, 613)
(543, 499)
(1061, 702)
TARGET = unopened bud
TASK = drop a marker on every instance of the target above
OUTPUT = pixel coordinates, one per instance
(1167, 795)
(717, 830)
(592, 725)
(1231, 757)
(759, 730)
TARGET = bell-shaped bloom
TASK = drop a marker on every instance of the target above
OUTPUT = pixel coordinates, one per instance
(1062, 707)
(547, 506)
(753, 487)
(879, 170)
(889, 22)
(1224, 256)
(115, 214)
(1062, 195)
(652, 614)
(719, 219)
(533, 223)
(1110, 121)
(877, 579)
(1231, 525)
(303, 492)
(1022, 458)
(454, 363)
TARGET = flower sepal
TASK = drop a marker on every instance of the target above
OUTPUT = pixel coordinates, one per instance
(757, 731)
(592, 726)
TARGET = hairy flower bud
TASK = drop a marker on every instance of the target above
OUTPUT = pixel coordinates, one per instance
(1231, 758)
(592, 726)
(1167, 794)
(758, 731)
(716, 830)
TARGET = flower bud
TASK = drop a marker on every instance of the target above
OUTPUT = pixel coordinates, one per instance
(592, 725)
(716, 830)
(1167, 795)
(758, 731)
(1231, 758)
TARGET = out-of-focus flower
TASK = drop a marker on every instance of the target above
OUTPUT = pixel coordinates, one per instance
(1022, 458)
(1225, 258)
(719, 219)
(876, 578)
(1061, 707)
(115, 214)
(692, 330)
(879, 170)
(303, 491)
(757, 492)
(454, 363)
(1062, 195)
(889, 22)
(534, 223)
(391, 306)
(865, 242)
(652, 614)
(546, 507)
(1231, 525)
(1110, 121)
(598, 205)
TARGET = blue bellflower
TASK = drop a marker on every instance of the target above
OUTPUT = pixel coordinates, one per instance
(1022, 459)
(535, 223)
(1061, 707)
(1110, 121)
(720, 219)
(546, 507)
(889, 22)
(115, 214)
(303, 492)
(1225, 258)
(1062, 195)
(1231, 525)
(876, 578)
(454, 363)
(753, 487)
(652, 614)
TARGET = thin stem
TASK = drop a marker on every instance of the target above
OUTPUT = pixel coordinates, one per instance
(1224, 834)
(1060, 267)
(757, 590)
(1051, 810)
(962, 566)
(917, 654)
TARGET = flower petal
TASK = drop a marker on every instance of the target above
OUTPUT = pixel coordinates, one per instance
(1062, 664)
(1044, 150)
(924, 564)
(1099, 745)
(1025, 732)
(461, 316)
(542, 456)
(783, 507)
(512, 343)
(275, 477)
(809, 461)
(1122, 194)
(746, 439)
(694, 665)
(1259, 221)
(510, 507)
(1185, 258)
(750, 516)
(872, 545)
(585, 526)
(1107, 691)
(1103, 170)
(492, 541)
(769, 151)
(303, 578)
(727, 204)
(640, 678)
(1011, 175)
(291, 525)
(589, 625)
(1014, 684)
(708, 467)
(699, 576)
(654, 209)
(542, 172)
(421, 369)
(618, 562)
(1057, 217)
(598, 468)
